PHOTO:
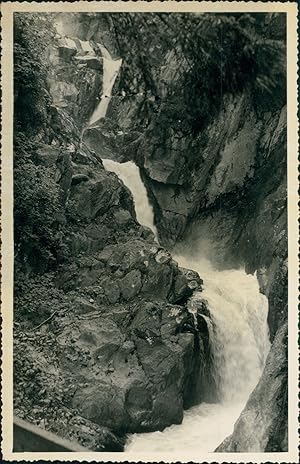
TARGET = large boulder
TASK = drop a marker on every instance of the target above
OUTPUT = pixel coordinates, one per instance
(133, 378)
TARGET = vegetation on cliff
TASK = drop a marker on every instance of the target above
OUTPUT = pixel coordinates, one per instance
(104, 340)
(219, 54)
(99, 305)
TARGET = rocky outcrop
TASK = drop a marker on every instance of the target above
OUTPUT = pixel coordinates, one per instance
(126, 345)
(87, 27)
(262, 426)
(120, 343)
(75, 77)
(216, 186)
(124, 352)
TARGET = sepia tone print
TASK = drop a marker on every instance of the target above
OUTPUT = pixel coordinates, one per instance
(150, 233)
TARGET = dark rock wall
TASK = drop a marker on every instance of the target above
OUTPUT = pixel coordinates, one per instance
(126, 346)
(75, 78)
(103, 336)
(224, 194)
(224, 188)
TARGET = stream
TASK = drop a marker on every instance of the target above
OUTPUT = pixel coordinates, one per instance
(238, 334)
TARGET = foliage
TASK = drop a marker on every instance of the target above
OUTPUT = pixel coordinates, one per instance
(218, 54)
(37, 207)
(36, 195)
(37, 298)
(32, 33)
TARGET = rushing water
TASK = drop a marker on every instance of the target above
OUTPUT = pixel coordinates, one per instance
(240, 345)
(129, 173)
(110, 71)
(239, 340)
(238, 328)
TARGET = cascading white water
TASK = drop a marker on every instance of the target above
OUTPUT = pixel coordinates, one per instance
(110, 71)
(239, 341)
(129, 173)
(238, 326)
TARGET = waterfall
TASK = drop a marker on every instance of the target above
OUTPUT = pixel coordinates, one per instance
(239, 340)
(110, 71)
(238, 327)
(129, 173)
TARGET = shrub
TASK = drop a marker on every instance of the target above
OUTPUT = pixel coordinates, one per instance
(37, 297)
(218, 54)
(37, 207)
(32, 33)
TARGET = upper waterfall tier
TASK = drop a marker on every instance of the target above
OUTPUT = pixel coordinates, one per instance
(110, 71)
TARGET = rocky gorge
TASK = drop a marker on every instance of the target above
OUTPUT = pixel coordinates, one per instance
(105, 340)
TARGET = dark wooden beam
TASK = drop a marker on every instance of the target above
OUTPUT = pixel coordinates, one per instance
(28, 437)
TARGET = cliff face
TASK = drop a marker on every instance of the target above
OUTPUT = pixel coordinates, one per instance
(224, 193)
(104, 341)
(120, 351)
(223, 188)
(234, 201)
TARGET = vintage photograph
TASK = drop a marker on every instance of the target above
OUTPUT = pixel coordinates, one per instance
(150, 227)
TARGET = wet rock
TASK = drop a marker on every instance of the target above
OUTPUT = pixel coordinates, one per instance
(186, 282)
(182, 290)
(90, 62)
(262, 425)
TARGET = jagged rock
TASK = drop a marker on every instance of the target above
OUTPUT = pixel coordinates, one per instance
(163, 257)
(263, 424)
(131, 284)
(112, 290)
(103, 403)
(67, 52)
(182, 288)
(90, 62)
(94, 437)
(158, 281)
(63, 93)
(74, 81)
(122, 217)
(46, 155)
(93, 198)
(141, 380)
(84, 306)
(77, 178)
